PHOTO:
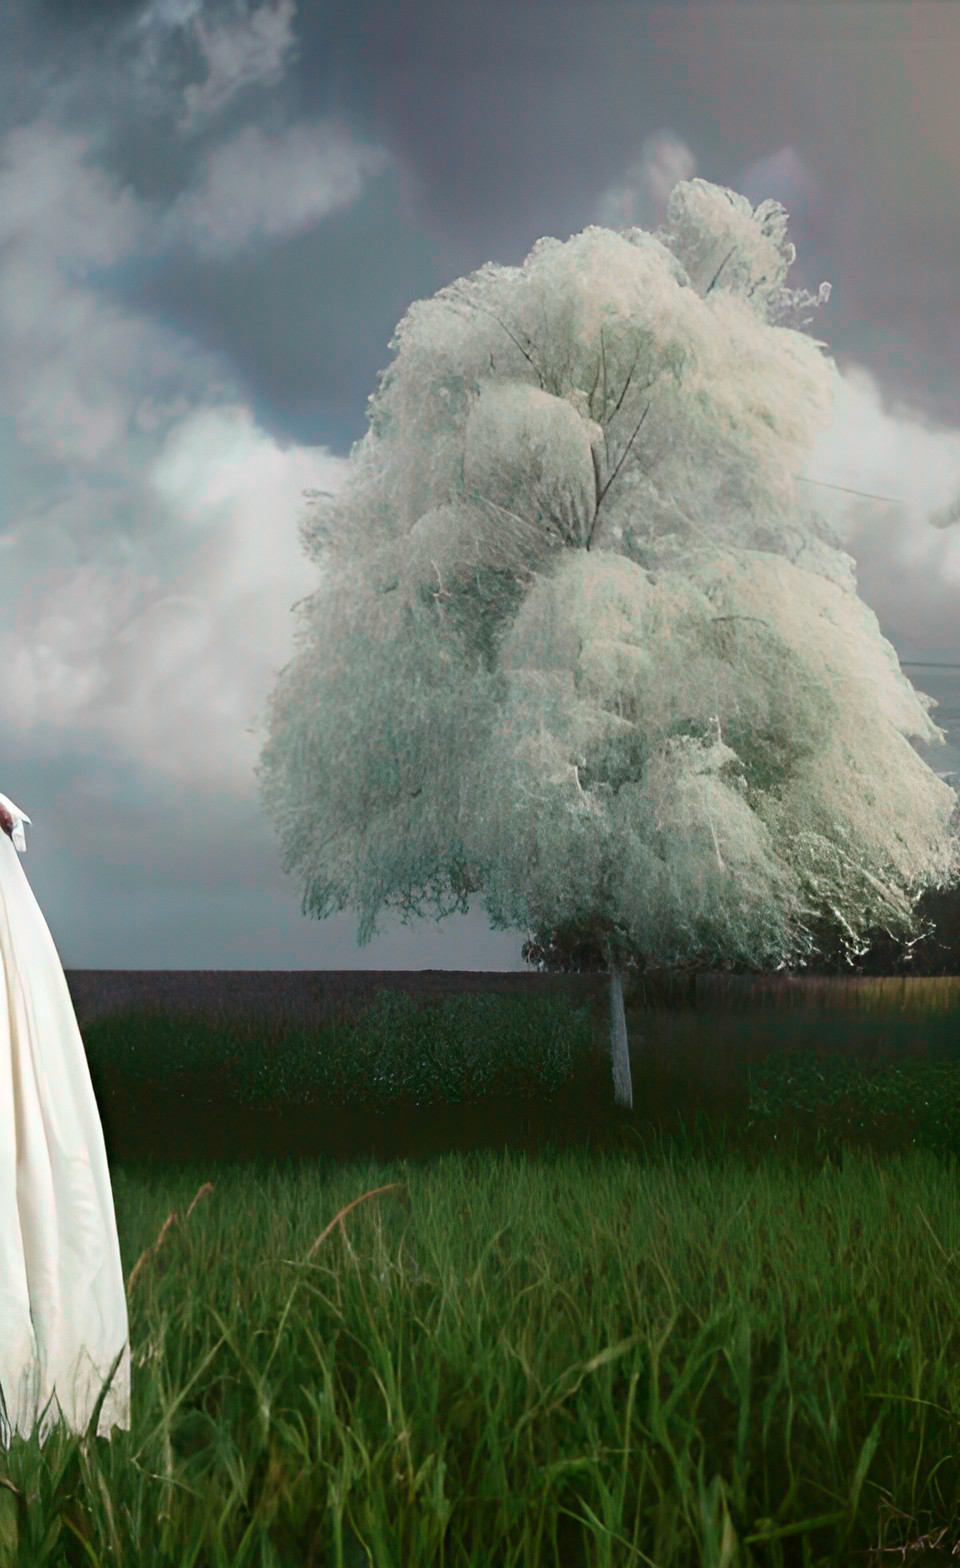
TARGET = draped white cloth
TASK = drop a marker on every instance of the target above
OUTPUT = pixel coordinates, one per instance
(63, 1307)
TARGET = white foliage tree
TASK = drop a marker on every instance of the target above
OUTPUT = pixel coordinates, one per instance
(579, 647)
(722, 241)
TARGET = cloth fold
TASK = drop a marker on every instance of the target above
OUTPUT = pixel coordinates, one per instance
(63, 1308)
(19, 818)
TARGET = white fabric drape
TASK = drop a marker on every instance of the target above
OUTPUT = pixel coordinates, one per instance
(63, 1308)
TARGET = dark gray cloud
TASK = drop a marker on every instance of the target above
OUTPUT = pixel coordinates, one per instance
(212, 217)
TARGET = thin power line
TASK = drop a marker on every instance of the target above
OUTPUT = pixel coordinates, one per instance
(868, 494)
(915, 664)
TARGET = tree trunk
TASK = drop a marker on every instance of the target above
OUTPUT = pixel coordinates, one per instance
(620, 1054)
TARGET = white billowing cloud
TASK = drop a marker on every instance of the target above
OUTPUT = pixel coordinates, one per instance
(908, 566)
(70, 361)
(148, 540)
(946, 516)
(187, 677)
(258, 185)
(166, 663)
(159, 14)
(250, 49)
(639, 198)
(901, 453)
(784, 177)
(48, 191)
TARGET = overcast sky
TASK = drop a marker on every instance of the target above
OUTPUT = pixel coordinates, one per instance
(212, 217)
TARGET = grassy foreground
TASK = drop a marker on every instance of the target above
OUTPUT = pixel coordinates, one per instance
(659, 1353)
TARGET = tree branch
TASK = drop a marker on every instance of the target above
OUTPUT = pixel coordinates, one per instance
(595, 379)
(603, 360)
(627, 383)
(525, 526)
(596, 481)
(620, 464)
(720, 268)
(510, 335)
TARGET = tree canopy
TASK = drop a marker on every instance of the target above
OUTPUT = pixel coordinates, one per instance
(578, 646)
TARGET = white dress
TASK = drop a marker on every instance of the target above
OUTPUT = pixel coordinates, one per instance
(63, 1307)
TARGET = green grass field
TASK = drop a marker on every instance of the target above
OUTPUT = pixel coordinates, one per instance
(671, 1350)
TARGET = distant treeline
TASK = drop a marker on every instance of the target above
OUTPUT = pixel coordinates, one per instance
(934, 953)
